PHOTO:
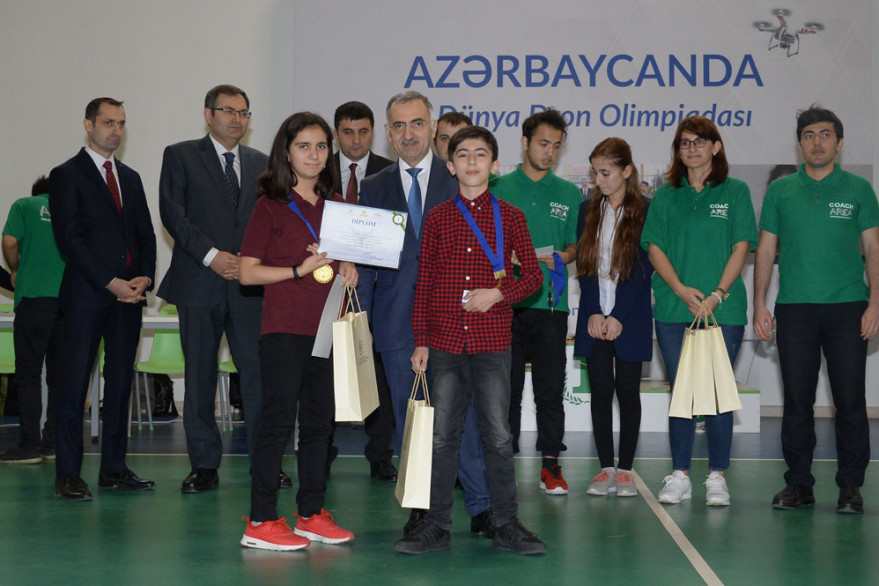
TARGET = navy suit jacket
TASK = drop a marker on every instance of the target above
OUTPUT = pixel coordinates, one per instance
(374, 164)
(93, 236)
(389, 294)
(197, 212)
(632, 308)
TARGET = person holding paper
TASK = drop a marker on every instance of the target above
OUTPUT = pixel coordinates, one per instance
(615, 321)
(461, 323)
(698, 232)
(280, 252)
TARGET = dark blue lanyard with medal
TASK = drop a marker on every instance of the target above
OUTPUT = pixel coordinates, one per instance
(325, 273)
(496, 260)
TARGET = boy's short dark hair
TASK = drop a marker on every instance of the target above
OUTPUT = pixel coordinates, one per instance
(353, 111)
(477, 132)
(550, 117)
(455, 119)
(815, 114)
(40, 186)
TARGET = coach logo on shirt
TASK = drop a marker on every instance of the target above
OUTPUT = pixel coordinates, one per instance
(559, 211)
(720, 210)
(840, 209)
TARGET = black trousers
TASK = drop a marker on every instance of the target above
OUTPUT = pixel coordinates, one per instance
(804, 331)
(292, 378)
(539, 336)
(609, 374)
(38, 336)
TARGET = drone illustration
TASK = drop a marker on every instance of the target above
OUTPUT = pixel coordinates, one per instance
(781, 36)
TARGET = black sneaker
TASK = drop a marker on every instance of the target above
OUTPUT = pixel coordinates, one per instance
(19, 454)
(793, 496)
(47, 452)
(850, 501)
(423, 538)
(481, 524)
(514, 537)
(415, 518)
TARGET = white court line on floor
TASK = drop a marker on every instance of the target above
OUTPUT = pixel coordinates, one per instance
(692, 554)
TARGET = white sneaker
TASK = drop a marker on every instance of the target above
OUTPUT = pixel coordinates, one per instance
(716, 492)
(603, 483)
(625, 483)
(677, 488)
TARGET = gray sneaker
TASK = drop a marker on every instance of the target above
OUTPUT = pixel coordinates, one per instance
(603, 483)
(716, 492)
(625, 484)
(514, 537)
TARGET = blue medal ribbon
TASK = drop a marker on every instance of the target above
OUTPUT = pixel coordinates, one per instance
(496, 260)
(291, 203)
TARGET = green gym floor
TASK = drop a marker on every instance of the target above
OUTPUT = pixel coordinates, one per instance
(165, 537)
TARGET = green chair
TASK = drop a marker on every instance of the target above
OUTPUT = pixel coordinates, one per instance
(168, 309)
(7, 308)
(225, 368)
(7, 352)
(166, 357)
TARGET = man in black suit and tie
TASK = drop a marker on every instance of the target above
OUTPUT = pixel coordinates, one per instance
(206, 194)
(354, 123)
(416, 183)
(102, 226)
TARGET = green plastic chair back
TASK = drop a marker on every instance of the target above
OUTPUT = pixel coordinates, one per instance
(166, 355)
(7, 351)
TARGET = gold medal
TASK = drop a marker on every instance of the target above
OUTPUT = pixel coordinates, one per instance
(323, 274)
(500, 274)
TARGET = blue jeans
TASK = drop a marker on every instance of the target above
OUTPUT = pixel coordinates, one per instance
(457, 382)
(681, 431)
(471, 465)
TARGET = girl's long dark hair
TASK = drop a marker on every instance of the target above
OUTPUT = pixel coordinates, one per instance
(278, 179)
(626, 241)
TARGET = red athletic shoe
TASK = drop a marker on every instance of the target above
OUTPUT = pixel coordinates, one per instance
(321, 527)
(552, 481)
(273, 535)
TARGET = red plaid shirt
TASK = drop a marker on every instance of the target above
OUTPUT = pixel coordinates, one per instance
(452, 261)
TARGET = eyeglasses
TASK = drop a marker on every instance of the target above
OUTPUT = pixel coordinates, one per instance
(696, 142)
(231, 112)
(400, 127)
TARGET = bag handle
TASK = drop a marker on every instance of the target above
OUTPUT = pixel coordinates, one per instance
(351, 302)
(703, 315)
(420, 377)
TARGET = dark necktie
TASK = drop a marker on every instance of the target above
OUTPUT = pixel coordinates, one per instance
(351, 190)
(415, 201)
(117, 199)
(232, 179)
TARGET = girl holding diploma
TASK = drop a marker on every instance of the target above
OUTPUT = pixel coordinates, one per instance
(280, 252)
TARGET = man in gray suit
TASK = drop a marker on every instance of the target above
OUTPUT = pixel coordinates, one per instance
(206, 194)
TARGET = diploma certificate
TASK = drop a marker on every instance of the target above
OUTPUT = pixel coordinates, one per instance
(362, 235)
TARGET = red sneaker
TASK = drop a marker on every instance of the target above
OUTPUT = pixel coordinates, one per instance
(552, 481)
(321, 527)
(273, 535)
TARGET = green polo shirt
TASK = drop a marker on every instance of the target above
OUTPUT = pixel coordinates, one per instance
(550, 206)
(697, 232)
(41, 266)
(819, 225)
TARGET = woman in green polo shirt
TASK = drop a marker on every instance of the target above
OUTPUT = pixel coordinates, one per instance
(698, 232)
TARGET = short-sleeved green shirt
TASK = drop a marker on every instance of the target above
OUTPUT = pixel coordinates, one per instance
(550, 206)
(697, 232)
(41, 266)
(819, 225)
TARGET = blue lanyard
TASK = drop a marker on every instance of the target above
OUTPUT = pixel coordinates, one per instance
(496, 260)
(292, 205)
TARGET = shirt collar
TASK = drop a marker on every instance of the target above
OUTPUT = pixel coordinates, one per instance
(221, 149)
(524, 178)
(345, 162)
(98, 159)
(424, 165)
(831, 179)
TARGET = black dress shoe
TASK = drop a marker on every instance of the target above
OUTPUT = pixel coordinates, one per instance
(200, 480)
(482, 524)
(286, 481)
(415, 517)
(383, 470)
(125, 480)
(850, 501)
(72, 489)
(793, 496)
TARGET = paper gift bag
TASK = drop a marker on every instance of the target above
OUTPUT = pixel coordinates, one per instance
(354, 383)
(416, 457)
(725, 388)
(694, 374)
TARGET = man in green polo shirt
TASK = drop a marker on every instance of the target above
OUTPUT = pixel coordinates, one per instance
(819, 217)
(540, 322)
(36, 267)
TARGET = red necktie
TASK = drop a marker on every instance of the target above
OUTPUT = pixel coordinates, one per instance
(351, 190)
(117, 199)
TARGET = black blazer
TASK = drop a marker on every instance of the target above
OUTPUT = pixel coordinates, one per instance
(375, 164)
(93, 236)
(197, 212)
